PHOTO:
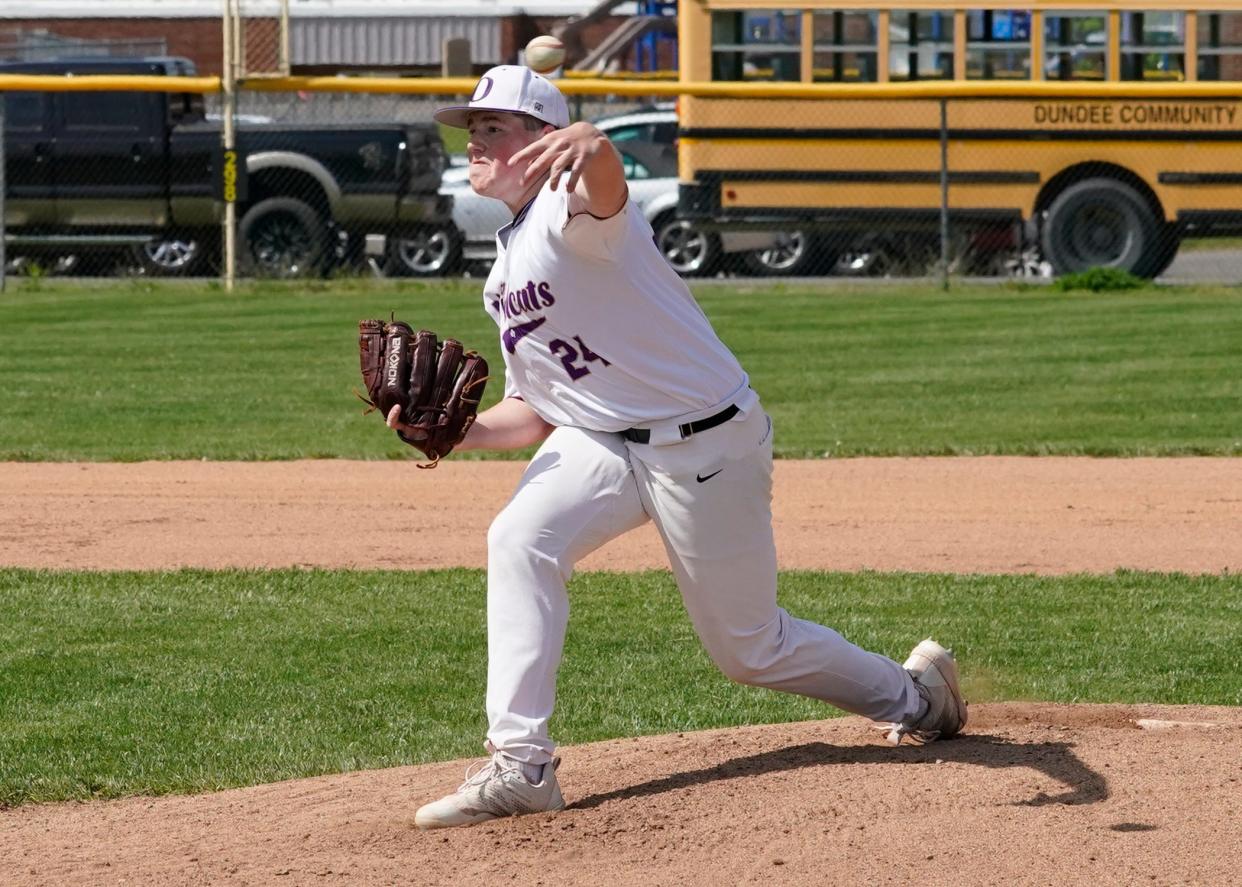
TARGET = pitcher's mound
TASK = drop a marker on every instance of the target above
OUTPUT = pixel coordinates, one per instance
(1032, 793)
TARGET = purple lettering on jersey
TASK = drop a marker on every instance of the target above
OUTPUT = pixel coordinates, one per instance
(569, 359)
(570, 356)
(520, 331)
(525, 299)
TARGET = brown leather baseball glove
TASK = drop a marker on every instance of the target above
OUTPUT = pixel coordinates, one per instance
(438, 385)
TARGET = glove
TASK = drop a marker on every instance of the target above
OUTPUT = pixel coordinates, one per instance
(438, 385)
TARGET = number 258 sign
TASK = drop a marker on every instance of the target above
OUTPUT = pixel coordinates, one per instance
(230, 177)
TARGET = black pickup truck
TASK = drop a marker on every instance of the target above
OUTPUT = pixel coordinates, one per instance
(92, 171)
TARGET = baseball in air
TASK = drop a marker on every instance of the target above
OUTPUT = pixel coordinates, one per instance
(544, 54)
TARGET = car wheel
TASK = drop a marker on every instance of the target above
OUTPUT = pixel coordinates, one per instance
(867, 256)
(173, 256)
(282, 237)
(794, 254)
(1100, 222)
(423, 252)
(691, 251)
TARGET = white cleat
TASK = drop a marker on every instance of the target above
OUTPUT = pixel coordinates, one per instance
(497, 790)
(935, 677)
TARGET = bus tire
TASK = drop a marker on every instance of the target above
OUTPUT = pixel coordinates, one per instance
(1168, 242)
(1100, 222)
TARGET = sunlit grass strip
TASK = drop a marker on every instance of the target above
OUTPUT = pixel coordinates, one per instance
(121, 683)
(143, 370)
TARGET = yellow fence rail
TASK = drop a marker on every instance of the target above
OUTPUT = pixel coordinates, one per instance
(465, 85)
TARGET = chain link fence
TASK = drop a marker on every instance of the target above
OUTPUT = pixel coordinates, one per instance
(124, 181)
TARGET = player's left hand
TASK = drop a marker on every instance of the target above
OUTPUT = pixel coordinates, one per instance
(580, 148)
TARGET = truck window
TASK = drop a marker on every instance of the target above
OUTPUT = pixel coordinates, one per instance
(25, 111)
(110, 111)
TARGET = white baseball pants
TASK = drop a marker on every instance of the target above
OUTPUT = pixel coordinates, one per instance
(584, 488)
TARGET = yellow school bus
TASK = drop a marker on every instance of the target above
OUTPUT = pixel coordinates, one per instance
(1141, 148)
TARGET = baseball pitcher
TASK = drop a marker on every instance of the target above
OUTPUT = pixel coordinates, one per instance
(642, 414)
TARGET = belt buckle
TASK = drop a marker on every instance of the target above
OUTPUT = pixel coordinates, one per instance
(685, 430)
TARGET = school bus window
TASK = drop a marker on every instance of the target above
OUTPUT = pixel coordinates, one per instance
(1153, 46)
(998, 44)
(1075, 45)
(920, 45)
(760, 44)
(1220, 46)
(845, 46)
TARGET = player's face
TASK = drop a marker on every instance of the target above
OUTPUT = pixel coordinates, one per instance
(494, 138)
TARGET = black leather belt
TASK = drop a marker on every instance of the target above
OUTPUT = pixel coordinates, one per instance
(643, 435)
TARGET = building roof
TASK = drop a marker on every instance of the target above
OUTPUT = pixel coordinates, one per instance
(42, 9)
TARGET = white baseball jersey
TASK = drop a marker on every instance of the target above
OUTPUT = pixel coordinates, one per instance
(597, 330)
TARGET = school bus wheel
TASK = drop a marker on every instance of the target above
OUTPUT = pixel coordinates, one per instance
(1101, 222)
(1168, 242)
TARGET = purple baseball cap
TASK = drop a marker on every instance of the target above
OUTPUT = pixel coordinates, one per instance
(514, 90)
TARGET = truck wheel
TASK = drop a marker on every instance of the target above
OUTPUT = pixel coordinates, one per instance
(172, 256)
(691, 251)
(282, 237)
(423, 252)
(1100, 223)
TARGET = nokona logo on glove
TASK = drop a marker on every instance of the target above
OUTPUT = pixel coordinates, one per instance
(394, 367)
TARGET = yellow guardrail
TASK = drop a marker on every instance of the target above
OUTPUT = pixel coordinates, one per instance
(596, 86)
(921, 90)
(102, 82)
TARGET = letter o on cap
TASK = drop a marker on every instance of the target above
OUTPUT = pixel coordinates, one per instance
(482, 90)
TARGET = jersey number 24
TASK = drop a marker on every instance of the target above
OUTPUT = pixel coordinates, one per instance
(570, 357)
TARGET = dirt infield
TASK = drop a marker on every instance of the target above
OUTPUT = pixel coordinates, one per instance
(989, 515)
(1033, 794)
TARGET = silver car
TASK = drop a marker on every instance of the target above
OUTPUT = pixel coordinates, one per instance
(650, 170)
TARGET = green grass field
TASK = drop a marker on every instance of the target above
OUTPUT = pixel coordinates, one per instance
(123, 683)
(166, 370)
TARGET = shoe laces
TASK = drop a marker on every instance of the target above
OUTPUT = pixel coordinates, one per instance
(487, 769)
(897, 731)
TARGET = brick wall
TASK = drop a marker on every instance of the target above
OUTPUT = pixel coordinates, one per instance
(198, 39)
